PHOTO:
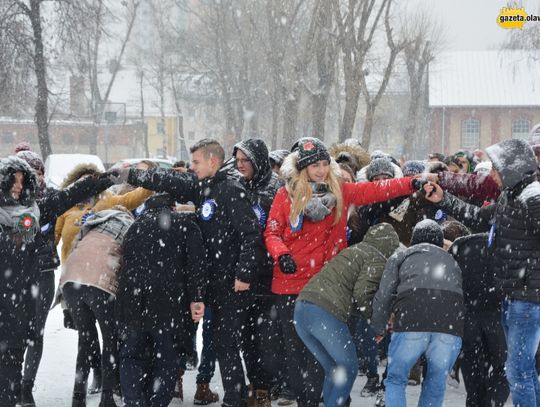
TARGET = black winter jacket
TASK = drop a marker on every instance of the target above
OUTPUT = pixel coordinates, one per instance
(514, 221)
(475, 260)
(19, 264)
(261, 190)
(162, 272)
(230, 229)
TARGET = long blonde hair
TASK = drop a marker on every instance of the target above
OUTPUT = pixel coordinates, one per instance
(300, 193)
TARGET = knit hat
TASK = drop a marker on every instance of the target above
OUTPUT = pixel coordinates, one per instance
(380, 166)
(33, 159)
(534, 136)
(310, 150)
(23, 146)
(413, 167)
(427, 231)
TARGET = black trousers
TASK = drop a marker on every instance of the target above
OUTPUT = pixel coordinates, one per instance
(228, 324)
(11, 361)
(43, 301)
(305, 373)
(87, 304)
(484, 355)
(260, 342)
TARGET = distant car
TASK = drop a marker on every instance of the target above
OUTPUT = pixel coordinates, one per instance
(131, 162)
(57, 166)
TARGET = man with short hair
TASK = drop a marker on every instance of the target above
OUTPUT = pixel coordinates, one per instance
(233, 243)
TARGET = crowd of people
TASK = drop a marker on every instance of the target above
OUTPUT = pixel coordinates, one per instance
(306, 267)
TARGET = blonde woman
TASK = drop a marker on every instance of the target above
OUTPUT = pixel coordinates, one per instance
(307, 227)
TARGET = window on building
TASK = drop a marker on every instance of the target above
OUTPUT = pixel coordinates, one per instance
(191, 112)
(160, 127)
(470, 134)
(521, 128)
(191, 135)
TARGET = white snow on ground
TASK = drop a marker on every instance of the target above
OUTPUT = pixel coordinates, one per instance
(54, 382)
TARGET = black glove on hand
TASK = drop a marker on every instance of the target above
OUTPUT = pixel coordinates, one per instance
(287, 264)
(418, 184)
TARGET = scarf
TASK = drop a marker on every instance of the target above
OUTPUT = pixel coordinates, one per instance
(23, 220)
(320, 206)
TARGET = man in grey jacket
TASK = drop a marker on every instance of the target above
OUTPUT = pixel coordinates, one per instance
(422, 287)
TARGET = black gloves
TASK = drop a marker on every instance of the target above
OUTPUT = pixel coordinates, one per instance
(287, 264)
(418, 184)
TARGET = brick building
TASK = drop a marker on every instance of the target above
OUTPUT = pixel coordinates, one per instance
(477, 98)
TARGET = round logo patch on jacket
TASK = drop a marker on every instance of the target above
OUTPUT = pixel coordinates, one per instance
(26, 221)
(208, 209)
(297, 226)
(260, 213)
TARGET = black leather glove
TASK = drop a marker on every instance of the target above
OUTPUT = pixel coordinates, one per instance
(287, 264)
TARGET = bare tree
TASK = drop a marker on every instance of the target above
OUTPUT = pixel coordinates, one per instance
(527, 39)
(31, 11)
(424, 39)
(16, 75)
(357, 22)
(92, 20)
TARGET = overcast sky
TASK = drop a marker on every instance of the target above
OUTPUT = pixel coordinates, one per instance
(471, 24)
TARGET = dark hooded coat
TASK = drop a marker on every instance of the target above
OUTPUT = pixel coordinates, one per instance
(20, 263)
(514, 220)
(261, 190)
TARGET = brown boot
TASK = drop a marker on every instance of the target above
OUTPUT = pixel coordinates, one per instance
(204, 395)
(179, 388)
(263, 398)
(251, 401)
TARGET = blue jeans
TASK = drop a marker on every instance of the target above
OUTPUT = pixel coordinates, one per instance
(521, 325)
(207, 366)
(331, 343)
(441, 351)
(364, 339)
(158, 391)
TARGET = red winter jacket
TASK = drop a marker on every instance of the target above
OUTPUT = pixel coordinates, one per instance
(316, 243)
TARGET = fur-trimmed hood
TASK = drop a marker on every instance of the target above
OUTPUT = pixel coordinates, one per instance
(289, 171)
(79, 171)
(355, 150)
(8, 167)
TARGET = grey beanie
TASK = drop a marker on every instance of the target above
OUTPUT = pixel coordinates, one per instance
(380, 166)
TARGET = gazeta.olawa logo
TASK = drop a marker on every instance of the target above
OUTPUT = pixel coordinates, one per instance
(515, 16)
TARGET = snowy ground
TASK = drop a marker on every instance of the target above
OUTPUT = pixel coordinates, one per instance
(55, 378)
(54, 382)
